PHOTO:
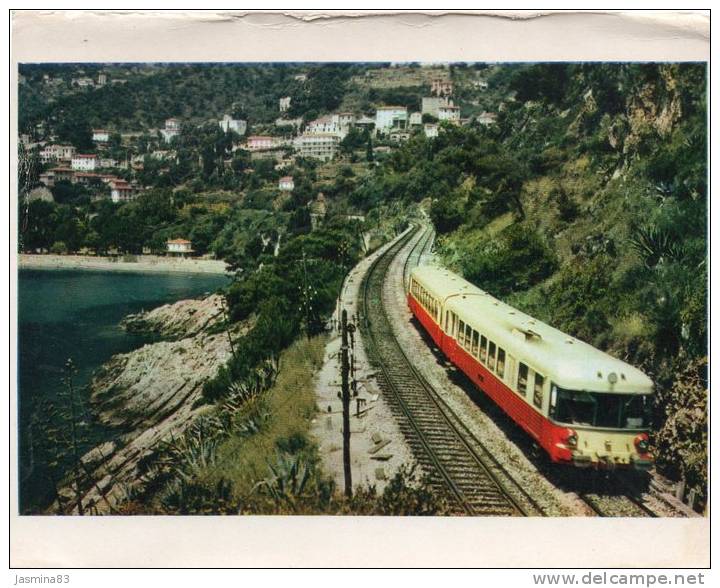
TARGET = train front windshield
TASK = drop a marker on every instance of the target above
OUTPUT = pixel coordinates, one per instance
(599, 409)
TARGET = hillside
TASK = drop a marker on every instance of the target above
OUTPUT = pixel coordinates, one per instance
(586, 206)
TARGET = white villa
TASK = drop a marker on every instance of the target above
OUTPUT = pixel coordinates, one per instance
(487, 118)
(179, 247)
(431, 130)
(449, 113)
(122, 191)
(260, 142)
(431, 105)
(171, 130)
(57, 153)
(233, 124)
(286, 184)
(318, 146)
(391, 117)
(285, 103)
(100, 135)
(324, 124)
(82, 162)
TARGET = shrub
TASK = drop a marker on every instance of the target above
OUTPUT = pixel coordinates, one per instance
(59, 248)
(682, 441)
(514, 260)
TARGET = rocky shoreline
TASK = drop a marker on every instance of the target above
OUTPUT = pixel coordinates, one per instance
(152, 394)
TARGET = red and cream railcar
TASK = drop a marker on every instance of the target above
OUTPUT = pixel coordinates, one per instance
(581, 405)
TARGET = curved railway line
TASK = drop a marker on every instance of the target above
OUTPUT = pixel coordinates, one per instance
(456, 462)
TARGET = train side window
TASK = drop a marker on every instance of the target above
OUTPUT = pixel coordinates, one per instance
(461, 333)
(500, 362)
(447, 321)
(522, 379)
(538, 390)
(468, 335)
(491, 355)
(475, 336)
(483, 348)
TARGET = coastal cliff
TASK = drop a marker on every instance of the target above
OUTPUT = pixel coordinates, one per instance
(152, 394)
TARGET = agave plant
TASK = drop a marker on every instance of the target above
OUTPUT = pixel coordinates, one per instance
(655, 245)
(290, 476)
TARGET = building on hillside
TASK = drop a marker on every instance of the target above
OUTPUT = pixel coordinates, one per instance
(399, 136)
(344, 120)
(431, 130)
(47, 178)
(415, 120)
(123, 191)
(260, 142)
(481, 84)
(285, 103)
(51, 153)
(487, 118)
(81, 162)
(82, 82)
(236, 125)
(90, 178)
(432, 104)
(324, 124)
(162, 155)
(286, 184)
(100, 135)
(284, 163)
(317, 146)
(107, 162)
(365, 122)
(391, 117)
(449, 114)
(55, 175)
(441, 87)
(102, 80)
(179, 247)
(301, 78)
(171, 130)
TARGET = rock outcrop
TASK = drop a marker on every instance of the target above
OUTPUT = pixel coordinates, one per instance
(151, 395)
(185, 318)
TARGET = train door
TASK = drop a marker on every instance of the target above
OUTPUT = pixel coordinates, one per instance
(511, 372)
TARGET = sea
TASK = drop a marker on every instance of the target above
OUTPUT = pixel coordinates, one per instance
(75, 314)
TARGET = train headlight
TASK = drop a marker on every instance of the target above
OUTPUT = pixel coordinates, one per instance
(642, 443)
(571, 438)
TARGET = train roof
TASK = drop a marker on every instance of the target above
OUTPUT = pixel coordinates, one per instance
(569, 362)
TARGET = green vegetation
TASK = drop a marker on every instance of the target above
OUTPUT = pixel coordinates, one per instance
(584, 205)
(256, 456)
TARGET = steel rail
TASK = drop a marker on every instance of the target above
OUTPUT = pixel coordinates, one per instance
(447, 445)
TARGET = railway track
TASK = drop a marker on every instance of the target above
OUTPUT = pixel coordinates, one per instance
(607, 502)
(456, 462)
(605, 505)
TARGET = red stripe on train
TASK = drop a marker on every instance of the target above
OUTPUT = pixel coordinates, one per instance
(548, 435)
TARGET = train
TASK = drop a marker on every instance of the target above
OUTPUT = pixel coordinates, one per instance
(581, 406)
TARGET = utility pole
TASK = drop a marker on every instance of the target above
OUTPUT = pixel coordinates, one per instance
(345, 370)
(226, 316)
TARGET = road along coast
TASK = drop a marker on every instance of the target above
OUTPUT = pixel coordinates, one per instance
(139, 263)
